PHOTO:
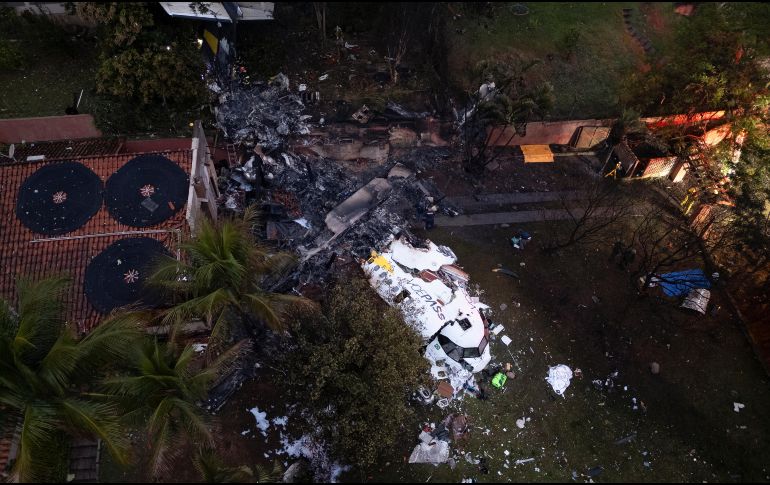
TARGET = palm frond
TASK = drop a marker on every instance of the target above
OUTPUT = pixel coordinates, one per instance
(33, 461)
(40, 316)
(97, 419)
(113, 340)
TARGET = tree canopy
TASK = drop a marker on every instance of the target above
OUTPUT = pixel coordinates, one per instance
(144, 58)
(43, 369)
(356, 365)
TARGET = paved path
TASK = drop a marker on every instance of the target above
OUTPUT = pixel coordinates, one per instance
(480, 201)
(522, 216)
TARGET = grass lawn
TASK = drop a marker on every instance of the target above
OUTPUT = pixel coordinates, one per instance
(45, 84)
(686, 430)
(57, 64)
(584, 48)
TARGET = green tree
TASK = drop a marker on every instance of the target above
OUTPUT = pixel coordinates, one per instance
(355, 365)
(143, 59)
(220, 279)
(162, 392)
(712, 65)
(752, 203)
(512, 102)
(45, 374)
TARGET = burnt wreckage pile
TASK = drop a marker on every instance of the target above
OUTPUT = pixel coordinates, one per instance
(317, 207)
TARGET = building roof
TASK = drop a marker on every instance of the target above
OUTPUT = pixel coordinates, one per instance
(47, 128)
(62, 149)
(221, 11)
(27, 254)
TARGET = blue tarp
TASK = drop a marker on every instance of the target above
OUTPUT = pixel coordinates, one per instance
(680, 283)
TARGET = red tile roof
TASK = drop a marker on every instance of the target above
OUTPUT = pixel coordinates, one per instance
(24, 253)
(67, 148)
(47, 128)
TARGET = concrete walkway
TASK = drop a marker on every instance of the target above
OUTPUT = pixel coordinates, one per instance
(480, 201)
(522, 216)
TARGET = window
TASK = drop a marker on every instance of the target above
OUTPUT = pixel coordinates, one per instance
(465, 324)
(452, 350)
(455, 352)
(401, 296)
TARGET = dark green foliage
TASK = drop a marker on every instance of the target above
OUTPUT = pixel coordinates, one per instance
(355, 365)
(569, 42)
(213, 470)
(223, 276)
(162, 392)
(10, 55)
(713, 65)
(752, 189)
(513, 102)
(143, 59)
(43, 369)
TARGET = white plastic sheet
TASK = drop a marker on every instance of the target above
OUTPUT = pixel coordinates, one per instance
(434, 452)
(559, 377)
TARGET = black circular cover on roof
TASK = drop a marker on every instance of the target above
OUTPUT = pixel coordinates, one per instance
(116, 276)
(146, 191)
(59, 198)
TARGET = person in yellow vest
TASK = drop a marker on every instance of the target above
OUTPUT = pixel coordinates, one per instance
(689, 200)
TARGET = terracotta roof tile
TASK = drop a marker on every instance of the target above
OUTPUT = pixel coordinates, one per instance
(66, 149)
(27, 254)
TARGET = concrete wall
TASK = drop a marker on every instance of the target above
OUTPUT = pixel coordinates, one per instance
(203, 194)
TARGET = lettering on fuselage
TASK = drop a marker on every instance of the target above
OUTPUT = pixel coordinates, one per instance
(436, 306)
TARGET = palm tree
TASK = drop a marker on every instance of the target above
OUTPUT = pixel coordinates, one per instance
(45, 372)
(162, 393)
(219, 280)
(511, 103)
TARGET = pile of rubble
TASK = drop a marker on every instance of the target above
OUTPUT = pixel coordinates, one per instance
(261, 115)
(326, 213)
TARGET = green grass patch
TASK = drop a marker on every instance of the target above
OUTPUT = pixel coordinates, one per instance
(584, 47)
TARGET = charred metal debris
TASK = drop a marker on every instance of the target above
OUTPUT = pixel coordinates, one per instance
(329, 192)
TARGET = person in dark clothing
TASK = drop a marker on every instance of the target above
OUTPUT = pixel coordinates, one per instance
(430, 217)
(628, 257)
(617, 250)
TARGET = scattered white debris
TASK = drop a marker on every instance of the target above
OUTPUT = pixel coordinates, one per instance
(498, 328)
(281, 421)
(559, 377)
(738, 406)
(199, 347)
(520, 423)
(506, 340)
(262, 422)
(303, 222)
(338, 470)
(524, 460)
(506, 452)
(324, 77)
(245, 432)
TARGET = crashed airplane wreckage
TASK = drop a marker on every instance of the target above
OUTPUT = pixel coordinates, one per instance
(333, 217)
(430, 291)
